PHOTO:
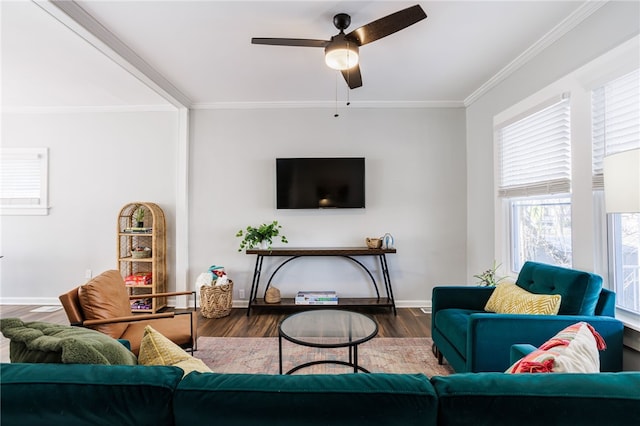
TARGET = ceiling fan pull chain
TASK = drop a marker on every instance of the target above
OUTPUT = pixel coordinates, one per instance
(336, 113)
(348, 85)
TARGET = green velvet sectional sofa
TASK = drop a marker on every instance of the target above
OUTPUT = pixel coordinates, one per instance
(81, 394)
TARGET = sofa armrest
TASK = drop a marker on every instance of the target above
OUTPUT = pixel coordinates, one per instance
(519, 351)
(461, 297)
(490, 337)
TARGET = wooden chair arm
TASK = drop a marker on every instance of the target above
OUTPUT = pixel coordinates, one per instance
(129, 318)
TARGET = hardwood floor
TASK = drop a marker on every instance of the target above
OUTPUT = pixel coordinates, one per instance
(410, 322)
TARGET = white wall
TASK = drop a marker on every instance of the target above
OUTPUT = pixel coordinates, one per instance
(415, 183)
(97, 163)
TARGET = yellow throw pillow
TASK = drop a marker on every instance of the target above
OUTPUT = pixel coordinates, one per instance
(508, 298)
(156, 349)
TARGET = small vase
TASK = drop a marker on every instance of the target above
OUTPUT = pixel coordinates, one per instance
(262, 245)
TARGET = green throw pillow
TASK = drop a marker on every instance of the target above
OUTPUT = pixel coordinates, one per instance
(54, 343)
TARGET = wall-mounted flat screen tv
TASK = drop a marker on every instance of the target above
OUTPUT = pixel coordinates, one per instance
(317, 183)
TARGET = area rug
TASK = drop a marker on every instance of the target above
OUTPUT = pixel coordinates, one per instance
(260, 355)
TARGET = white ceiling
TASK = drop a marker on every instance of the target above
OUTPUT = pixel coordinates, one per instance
(203, 49)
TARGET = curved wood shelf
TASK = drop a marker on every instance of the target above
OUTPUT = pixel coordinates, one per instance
(155, 239)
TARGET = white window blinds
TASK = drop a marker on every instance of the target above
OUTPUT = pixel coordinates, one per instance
(615, 110)
(535, 153)
(23, 180)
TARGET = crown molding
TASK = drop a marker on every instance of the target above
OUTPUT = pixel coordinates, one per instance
(326, 104)
(580, 14)
(86, 109)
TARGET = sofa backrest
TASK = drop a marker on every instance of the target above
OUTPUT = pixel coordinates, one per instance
(342, 399)
(580, 290)
(85, 394)
(499, 399)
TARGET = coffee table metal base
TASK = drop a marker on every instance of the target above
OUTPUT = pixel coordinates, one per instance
(353, 360)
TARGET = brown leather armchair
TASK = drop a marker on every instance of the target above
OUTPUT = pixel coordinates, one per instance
(104, 304)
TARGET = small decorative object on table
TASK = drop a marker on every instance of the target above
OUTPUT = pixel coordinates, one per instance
(387, 241)
(263, 234)
(373, 243)
(216, 295)
(272, 295)
(488, 278)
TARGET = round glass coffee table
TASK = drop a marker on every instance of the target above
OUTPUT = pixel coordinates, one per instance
(327, 328)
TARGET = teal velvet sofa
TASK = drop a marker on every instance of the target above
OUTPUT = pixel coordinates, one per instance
(82, 394)
(473, 340)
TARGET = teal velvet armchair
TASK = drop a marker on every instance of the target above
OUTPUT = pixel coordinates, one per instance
(473, 340)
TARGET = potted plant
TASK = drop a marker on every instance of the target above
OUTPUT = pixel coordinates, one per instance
(488, 278)
(138, 217)
(262, 236)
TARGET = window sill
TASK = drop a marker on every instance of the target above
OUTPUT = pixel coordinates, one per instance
(24, 211)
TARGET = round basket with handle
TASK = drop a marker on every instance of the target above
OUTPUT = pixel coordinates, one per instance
(216, 300)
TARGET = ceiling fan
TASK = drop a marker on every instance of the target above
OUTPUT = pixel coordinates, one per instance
(342, 51)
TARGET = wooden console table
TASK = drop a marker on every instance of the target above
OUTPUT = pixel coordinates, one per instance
(344, 252)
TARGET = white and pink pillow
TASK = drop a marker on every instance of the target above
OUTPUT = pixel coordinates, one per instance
(572, 350)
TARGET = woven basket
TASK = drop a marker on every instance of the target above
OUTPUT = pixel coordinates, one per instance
(373, 243)
(141, 254)
(215, 300)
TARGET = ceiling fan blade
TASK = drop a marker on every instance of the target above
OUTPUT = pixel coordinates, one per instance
(353, 77)
(386, 26)
(303, 42)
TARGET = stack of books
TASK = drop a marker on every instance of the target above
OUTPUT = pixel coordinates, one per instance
(136, 230)
(316, 298)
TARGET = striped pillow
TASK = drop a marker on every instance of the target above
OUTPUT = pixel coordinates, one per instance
(572, 350)
(508, 298)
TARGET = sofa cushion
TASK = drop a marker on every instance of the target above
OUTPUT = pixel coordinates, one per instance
(572, 350)
(508, 298)
(104, 297)
(55, 343)
(307, 399)
(579, 290)
(97, 395)
(156, 349)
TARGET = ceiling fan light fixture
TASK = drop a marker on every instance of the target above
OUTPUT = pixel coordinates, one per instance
(340, 54)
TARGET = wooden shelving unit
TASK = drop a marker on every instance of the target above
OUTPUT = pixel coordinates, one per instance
(153, 236)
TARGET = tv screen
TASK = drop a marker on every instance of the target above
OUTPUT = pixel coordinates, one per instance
(316, 183)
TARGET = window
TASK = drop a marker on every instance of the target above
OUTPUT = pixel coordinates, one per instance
(541, 231)
(534, 181)
(624, 255)
(616, 128)
(23, 181)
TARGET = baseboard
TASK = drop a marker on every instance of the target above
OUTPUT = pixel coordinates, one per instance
(29, 301)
